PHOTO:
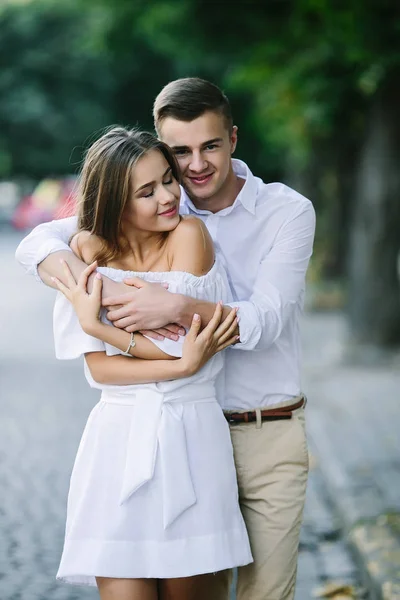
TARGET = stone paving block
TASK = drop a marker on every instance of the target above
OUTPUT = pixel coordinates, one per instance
(337, 561)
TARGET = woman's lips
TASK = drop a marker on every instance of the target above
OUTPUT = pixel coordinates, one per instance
(169, 213)
(201, 180)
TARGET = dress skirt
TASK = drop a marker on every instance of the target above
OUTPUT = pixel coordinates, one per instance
(153, 491)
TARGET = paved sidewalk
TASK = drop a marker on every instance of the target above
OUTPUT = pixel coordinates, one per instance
(353, 419)
(325, 561)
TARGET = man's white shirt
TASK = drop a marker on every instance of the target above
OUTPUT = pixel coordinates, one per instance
(265, 240)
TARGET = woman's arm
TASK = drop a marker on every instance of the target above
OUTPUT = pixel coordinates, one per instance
(123, 370)
(120, 370)
(120, 339)
(198, 348)
(87, 308)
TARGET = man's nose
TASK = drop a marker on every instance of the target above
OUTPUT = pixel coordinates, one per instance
(197, 163)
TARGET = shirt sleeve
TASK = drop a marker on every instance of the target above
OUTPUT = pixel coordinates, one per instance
(279, 284)
(44, 240)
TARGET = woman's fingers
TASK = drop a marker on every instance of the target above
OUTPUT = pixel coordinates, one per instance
(84, 276)
(194, 328)
(226, 323)
(231, 331)
(63, 288)
(232, 340)
(214, 321)
(97, 287)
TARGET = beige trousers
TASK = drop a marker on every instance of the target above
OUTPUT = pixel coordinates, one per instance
(272, 467)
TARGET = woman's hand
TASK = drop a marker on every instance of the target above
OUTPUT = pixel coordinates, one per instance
(198, 348)
(87, 306)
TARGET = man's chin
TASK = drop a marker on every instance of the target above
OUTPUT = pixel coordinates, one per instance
(196, 192)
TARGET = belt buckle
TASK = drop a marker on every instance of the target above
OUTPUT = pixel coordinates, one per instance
(230, 419)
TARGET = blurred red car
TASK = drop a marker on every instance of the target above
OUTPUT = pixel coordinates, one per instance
(51, 199)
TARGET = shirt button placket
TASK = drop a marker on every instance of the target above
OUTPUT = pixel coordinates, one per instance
(212, 226)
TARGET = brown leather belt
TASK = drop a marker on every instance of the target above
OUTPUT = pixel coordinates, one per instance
(267, 414)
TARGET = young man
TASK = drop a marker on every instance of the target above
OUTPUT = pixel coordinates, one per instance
(264, 234)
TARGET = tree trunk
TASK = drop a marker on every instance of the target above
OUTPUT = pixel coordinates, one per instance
(374, 290)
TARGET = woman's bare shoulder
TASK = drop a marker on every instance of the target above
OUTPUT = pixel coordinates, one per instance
(86, 245)
(192, 249)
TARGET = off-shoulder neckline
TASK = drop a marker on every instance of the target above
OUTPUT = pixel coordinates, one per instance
(161, 275)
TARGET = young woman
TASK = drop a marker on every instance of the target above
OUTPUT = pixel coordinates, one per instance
(153, 505)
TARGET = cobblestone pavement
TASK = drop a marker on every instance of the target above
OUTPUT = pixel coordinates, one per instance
(44, 404)
(353, 420)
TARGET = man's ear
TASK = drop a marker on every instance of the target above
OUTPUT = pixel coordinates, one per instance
(234, 137)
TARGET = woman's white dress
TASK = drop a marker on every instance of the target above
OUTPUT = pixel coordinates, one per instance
(153, 490)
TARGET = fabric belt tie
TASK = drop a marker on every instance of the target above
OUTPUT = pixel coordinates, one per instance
(156, 419)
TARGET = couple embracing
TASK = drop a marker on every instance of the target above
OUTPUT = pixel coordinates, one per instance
(185, 303)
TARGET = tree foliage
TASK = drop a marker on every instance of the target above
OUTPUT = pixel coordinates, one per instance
(54, 89)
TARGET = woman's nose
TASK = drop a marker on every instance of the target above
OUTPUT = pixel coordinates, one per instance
(166, 196)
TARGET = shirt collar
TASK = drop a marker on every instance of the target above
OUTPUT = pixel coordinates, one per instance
(246, 196)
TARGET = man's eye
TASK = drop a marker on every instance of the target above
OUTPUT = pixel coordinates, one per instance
(180, 152)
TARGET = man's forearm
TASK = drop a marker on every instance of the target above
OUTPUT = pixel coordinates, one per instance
(52, 267)
(187, 307)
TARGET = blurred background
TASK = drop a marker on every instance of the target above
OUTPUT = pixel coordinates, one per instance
(315, 91)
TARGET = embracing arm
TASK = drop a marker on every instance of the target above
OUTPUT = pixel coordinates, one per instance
(198, 349)
(192, 251)
(84, 309)
(40, 253)
(77, 324)
(120, 339)
(123, 370)
(279, 284)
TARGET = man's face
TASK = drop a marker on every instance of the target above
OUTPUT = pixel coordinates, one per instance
(203, 148)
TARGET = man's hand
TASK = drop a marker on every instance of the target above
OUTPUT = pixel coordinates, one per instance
(149, 307)
(171, 331)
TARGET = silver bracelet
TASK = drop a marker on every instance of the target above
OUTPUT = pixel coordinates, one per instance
(132, 344)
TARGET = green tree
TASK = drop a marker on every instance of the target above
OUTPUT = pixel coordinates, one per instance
(55, 89)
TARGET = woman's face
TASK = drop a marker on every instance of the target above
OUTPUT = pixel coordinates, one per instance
(154, 201)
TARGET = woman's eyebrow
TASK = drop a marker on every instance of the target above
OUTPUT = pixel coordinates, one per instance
(145, 185)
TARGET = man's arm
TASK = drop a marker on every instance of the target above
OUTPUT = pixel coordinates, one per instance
(41, 242)
(280, 282)
(42, 251)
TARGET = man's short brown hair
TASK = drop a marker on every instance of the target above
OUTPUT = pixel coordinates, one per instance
(189, 98)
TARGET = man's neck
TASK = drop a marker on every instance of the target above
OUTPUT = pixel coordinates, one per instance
(224, 198)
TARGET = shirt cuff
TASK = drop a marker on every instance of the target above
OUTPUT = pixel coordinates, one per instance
(249, 326)
(44, 251)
